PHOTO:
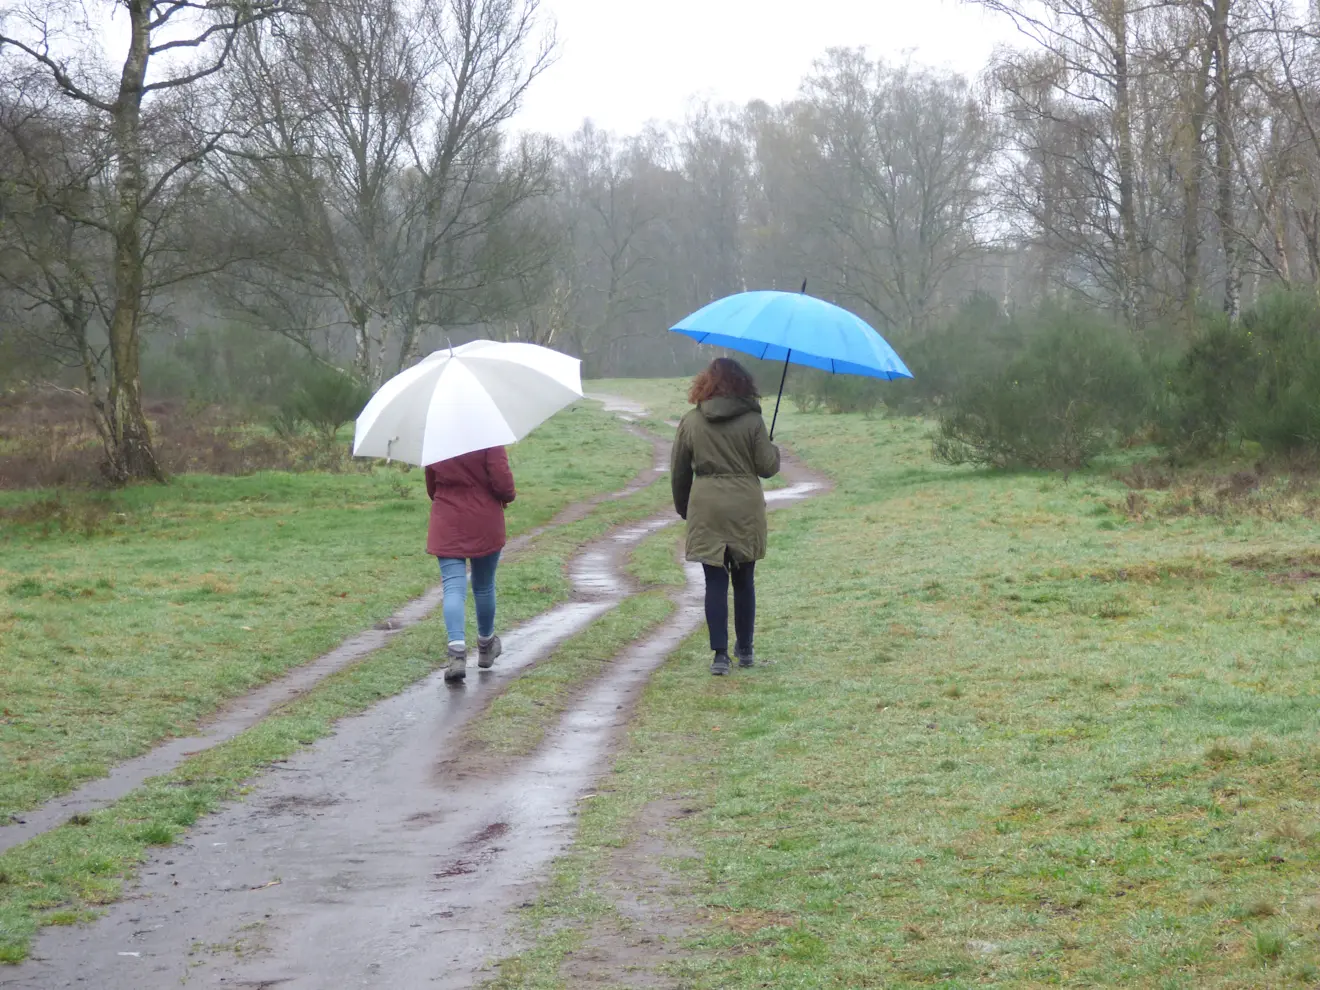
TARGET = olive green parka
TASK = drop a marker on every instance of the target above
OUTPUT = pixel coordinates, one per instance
(721, 452)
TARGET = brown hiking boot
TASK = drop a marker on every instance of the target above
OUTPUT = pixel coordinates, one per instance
(457, 669)
(487, 651)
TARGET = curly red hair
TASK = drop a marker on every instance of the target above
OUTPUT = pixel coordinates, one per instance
(724, 377)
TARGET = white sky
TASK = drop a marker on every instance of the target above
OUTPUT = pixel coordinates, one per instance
(626, 62)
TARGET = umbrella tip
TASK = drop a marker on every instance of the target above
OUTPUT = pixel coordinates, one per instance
(804, 285)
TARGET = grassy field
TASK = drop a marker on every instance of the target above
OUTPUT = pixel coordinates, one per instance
(665, 399)
(61, 877)
(64, 875)
(1018, 732)
(127, 617)
(515, 723)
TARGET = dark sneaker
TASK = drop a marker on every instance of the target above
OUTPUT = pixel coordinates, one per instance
(487, 651)
(457, 669)
(746, 658)
(720, 665)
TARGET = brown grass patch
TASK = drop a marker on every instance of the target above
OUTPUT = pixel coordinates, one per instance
(1273, 490)
(1273, 561)
(1147, 476)
(1158, 571)
(48, 440)
(213, 584)
(751, 922)
(89, 514)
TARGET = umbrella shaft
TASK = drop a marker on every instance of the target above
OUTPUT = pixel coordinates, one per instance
(780, 396)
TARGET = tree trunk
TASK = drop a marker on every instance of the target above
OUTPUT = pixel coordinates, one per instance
(129, 452)
(1309, 223)
(410, 334)
(363, 359)
(76, 318)
(1192, 178)
(1127, 200)
(409, 345)
(1279, 228)
(1224, 212)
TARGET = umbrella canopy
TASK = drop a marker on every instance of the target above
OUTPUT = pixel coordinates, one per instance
(795, 327)
(481, 394)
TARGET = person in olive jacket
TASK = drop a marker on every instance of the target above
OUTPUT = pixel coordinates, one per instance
(469, 494)
(721, 452)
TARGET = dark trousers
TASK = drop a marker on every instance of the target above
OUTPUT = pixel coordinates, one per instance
(743, 577)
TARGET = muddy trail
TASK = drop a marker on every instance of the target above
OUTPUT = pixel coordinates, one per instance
(242, 713)
(369, 859)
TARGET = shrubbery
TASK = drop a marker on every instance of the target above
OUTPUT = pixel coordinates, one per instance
(232, 365)
(1074, 387)
(950, 358)
(1257, 382)
(812, 390)
(1055, 388)
(255, 371)
(942, 362)
(47, 441)
(202, 421)
(325, 399)
(1206, 397)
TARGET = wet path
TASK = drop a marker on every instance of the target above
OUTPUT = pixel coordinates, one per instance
(365, 861)
(241, 714)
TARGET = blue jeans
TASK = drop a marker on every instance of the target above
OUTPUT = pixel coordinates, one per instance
(453, 572)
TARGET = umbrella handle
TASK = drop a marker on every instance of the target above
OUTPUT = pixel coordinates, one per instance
(780, 396)
(782, 379)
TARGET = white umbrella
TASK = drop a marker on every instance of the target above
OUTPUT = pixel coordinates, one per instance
(481, 394)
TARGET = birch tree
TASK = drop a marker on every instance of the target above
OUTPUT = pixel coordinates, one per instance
(151, 128)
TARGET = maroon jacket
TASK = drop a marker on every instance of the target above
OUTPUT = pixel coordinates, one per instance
(468, 495)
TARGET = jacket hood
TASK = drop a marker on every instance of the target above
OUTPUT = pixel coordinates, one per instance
(726, 407)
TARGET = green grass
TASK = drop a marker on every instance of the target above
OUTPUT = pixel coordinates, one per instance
(664, 398)
(1013, 737)
(62, 876)
(567, 905)
(666, 401)
(655, 562)
(515, 723)
(125, 618)
(546, 560)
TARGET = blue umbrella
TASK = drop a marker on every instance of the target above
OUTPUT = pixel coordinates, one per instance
(798, 328)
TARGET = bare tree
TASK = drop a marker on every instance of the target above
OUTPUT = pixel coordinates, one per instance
(611, 197)
(1276, 140)
(713, 160)
(785, 240)
(157, 133)
(903, 159)
(1078, 90)
(57, 292)
(376, 177)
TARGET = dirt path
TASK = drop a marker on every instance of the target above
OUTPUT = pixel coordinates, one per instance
(368, 862)
(625, 409)
(242, 713)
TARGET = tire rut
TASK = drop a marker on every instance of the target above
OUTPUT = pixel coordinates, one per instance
(241, 714)
(367, 864)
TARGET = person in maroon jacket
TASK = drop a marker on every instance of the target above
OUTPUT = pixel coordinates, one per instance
(468, 496)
